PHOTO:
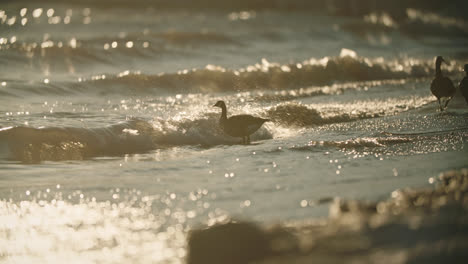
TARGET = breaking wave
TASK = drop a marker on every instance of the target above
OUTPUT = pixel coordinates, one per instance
(265, 76)
(32, 145)
(300, 115)
(271, 76)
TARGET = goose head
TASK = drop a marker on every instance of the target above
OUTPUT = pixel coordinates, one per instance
(439, 60)
(220, 104)
(466, 68)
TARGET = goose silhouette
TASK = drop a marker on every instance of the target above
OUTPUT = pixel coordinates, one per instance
(464, 85)
(442, 87)
(239, 125)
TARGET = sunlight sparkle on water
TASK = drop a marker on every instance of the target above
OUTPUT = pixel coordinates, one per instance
(94, 231)
(37, 12)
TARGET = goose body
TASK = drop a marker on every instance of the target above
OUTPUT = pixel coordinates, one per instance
(464, 85)
(442, 87)
(239, 125)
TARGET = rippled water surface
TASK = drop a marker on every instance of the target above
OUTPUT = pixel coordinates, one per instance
(110, 149)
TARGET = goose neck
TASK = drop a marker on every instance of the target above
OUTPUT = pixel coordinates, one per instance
(438, 70)
(223, 113)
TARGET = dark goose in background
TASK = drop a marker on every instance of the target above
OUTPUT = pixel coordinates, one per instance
(441, 86)
(464, 85)
(239, 125)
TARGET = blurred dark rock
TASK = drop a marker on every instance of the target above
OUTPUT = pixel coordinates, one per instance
(413, 226)
(231, 243)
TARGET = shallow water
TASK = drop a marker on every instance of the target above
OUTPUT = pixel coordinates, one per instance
(108, 137)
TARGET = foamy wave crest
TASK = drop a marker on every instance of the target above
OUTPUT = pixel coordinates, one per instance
(264, 76)
(293, 114)
(31, 145)
(203, 130)
(356, 143)
(300, 115)
(271, 76)
(337, 88)
(28, 144)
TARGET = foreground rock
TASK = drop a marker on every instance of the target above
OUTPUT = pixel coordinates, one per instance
(414, 226)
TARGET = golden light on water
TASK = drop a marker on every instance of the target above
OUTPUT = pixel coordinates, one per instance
(103, 232)
(37, 12)
(11, 21)
(116, 152)
(243, 15)
(54, 227)
(50, 12)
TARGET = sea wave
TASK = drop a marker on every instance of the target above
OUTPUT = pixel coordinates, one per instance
(333, 89)
(203, 130)
(28, 144)
(273, 76)
(264, 76)
(300, 115)
(389, 145)
(417, 23)
(132, 44)
(336, 7)
(68, 55)
(356, 143)
(31, 145)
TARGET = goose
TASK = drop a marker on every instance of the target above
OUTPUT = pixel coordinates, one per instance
(239, 125)
(464, 85)
(441, 86)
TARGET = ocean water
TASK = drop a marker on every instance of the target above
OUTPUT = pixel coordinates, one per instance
(110, 149)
